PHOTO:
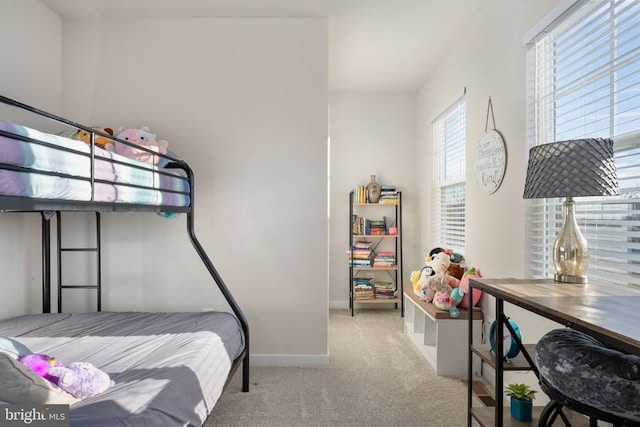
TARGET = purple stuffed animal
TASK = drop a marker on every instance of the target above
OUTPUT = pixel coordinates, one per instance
(41, 364)
(82, 379)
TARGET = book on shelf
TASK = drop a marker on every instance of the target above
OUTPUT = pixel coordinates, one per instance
(384, 290)
(384, 259)
(360, 194)
(377, 227)
(386, 294)
(360, 255)
(362, 244)
(360, 225)
(363, 288)
(355, 224)
(388, 195)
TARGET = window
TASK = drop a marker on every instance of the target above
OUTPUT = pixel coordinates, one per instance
(584, 81)
(449, 160)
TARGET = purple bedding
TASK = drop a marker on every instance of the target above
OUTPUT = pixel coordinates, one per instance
(119, 179)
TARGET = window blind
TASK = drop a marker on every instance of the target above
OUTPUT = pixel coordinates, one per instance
(449, 160)
(584, 81)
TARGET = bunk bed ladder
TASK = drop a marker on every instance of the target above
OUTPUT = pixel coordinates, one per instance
(98, 285)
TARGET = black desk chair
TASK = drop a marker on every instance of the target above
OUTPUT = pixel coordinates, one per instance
(553, 410)
(580, 373)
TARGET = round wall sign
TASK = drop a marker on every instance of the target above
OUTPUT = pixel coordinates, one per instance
(491, 161)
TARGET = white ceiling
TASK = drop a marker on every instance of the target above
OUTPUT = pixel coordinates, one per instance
(374, 45)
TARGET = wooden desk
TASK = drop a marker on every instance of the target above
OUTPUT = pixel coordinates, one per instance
(609, 313)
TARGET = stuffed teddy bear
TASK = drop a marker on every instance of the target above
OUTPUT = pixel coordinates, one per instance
(455, 270)
(81, 379)
(99, 141)
(41, 364)
(143, 138)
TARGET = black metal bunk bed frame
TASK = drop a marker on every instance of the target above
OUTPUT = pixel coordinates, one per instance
(44, 206)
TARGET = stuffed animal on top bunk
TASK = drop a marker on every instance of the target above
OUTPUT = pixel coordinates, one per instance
(140, 137)
(80, 379)
(100, 141)
(85, 136)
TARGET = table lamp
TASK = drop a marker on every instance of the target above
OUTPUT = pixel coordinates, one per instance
(574, 168)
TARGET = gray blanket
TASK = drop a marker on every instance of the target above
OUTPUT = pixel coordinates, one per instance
(169, 368)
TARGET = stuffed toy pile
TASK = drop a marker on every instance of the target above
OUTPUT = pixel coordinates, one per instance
(80, 379)
(138, 137)
(438, 282)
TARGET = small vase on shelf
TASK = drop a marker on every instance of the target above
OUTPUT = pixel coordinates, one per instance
(521, 400)
(521, 409)
(373, 190)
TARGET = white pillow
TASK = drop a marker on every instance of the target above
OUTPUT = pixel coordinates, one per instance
(21, 385)
(13, 348)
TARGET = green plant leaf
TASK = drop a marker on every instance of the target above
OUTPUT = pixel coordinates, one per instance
(520, 392)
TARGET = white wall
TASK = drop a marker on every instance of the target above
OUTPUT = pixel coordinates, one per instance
(245, 102)
(371, 133)
(490, 60)
(30, 69)
(30, 54)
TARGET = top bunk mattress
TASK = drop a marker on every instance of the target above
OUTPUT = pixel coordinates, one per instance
(41, 165)
(169, 368)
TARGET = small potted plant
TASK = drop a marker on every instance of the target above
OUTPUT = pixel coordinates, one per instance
(521, 400)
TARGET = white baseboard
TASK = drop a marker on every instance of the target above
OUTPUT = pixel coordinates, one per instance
(289, 360)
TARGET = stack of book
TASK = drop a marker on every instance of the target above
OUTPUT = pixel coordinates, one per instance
(377, 227)
(360, 194)
(363, 226)
(388, 195)
(361, 255)
(384, 290)
(363, 289)
(384, 259)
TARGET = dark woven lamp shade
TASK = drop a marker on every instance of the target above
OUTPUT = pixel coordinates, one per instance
(574, 168)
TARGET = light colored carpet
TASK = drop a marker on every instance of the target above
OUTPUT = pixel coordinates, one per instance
(376, 377)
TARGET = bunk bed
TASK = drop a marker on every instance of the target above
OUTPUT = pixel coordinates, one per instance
(168, 368)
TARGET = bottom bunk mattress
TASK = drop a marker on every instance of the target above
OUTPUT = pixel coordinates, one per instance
(169, 369)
